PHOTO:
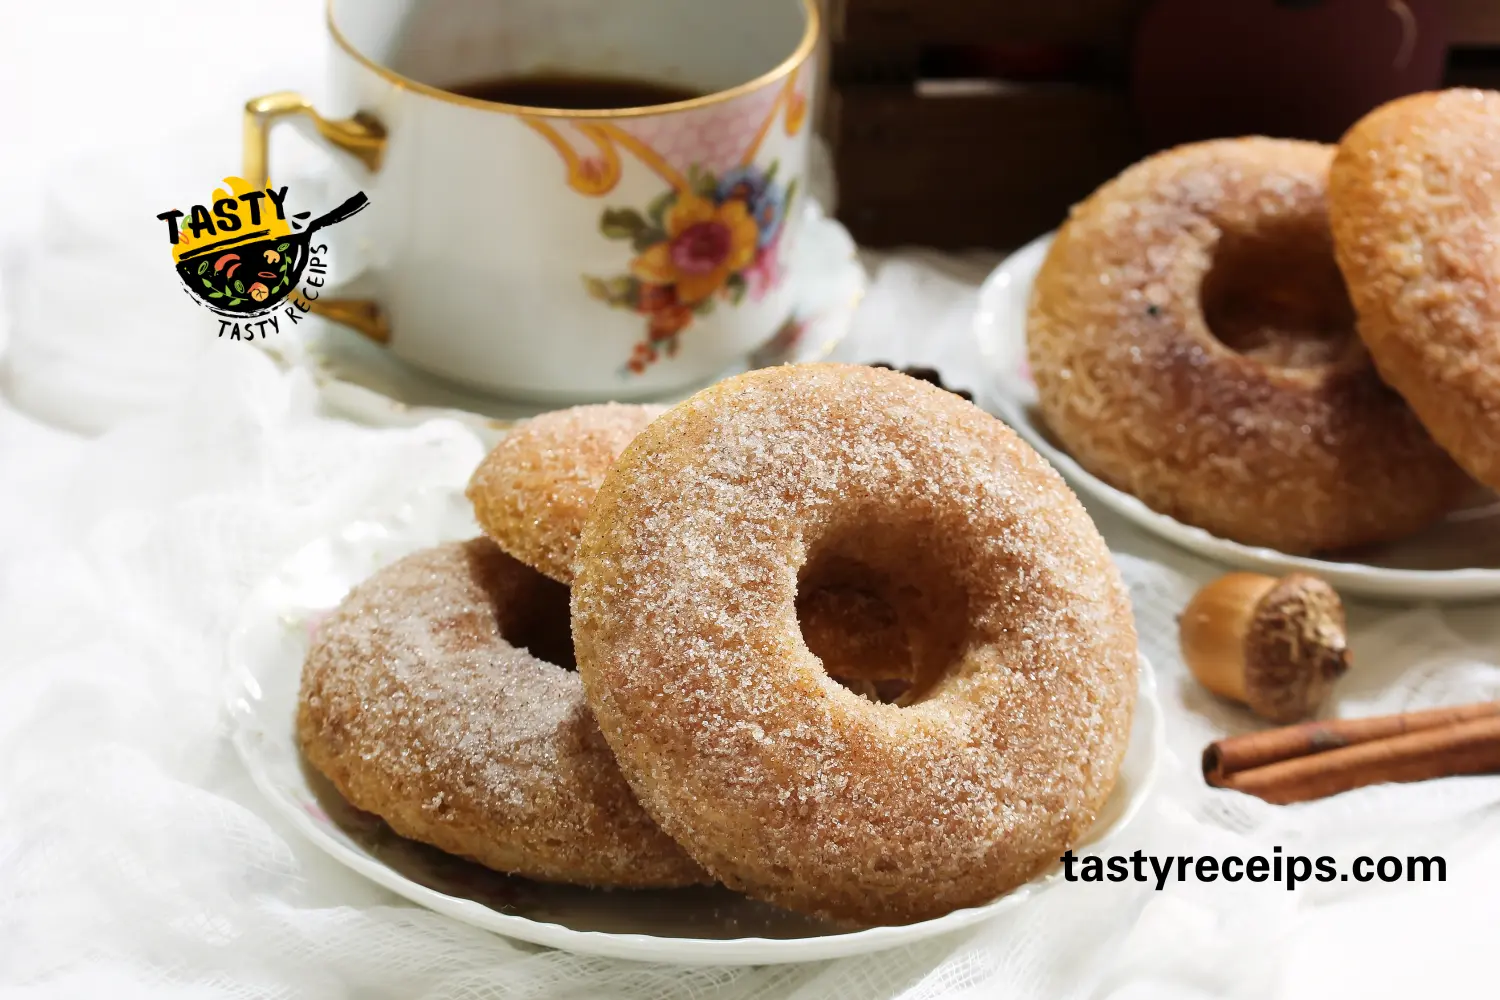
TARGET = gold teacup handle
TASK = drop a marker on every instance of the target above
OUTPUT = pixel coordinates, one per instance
(361, 137)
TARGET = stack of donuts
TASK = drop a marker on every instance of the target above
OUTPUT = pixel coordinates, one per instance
(1287, 344)
(826, 634)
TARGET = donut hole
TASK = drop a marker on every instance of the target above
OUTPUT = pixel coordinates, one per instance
(1275, 294)
(533, 614)
(855, 631)
(880, 612)
(545, 630)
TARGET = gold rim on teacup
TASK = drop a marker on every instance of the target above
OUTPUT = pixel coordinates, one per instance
(805, 48)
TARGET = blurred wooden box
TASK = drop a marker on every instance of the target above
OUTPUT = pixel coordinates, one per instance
(933, 147)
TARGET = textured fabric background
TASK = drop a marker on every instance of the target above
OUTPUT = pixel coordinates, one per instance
(150, 475)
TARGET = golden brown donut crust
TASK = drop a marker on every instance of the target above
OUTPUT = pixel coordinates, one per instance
(778, 780)
(1414, 201)
(531, 493)
(418, 710)
(1137, 388)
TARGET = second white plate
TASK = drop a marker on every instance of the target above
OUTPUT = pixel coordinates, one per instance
(1457, 558)
(707, 926)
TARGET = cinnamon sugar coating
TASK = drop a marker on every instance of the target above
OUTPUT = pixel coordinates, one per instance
(420, 710)
(1414, 199)
(781, 782)
(1192, 343)
(531, 493)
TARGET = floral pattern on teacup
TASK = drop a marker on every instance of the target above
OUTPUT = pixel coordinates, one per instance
(714, 235)
(717, 240)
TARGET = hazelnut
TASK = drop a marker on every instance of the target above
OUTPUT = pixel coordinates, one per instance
(1274, 645)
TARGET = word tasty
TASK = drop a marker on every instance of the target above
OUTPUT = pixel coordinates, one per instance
(231, 214)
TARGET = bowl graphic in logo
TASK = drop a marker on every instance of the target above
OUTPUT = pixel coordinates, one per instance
(254, 270)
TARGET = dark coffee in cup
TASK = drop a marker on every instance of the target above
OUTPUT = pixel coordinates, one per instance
(575, 91)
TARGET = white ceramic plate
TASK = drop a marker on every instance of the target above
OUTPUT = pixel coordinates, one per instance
(1457, 558)
(359, 379)
(709, 926)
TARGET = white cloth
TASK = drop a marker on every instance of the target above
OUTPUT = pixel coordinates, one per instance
(136, 859)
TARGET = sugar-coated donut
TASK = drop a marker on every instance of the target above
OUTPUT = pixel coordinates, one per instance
(783, 783)
(531, 492)
(419, 705)
(1193, 344)
(1414, 202)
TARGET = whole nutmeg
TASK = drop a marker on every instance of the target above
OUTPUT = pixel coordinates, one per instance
(1274, 645)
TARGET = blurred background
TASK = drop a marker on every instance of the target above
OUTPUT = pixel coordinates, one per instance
(977, 124)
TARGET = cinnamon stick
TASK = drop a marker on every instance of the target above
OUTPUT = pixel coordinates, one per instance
(1223, 758)
(1470, 747)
